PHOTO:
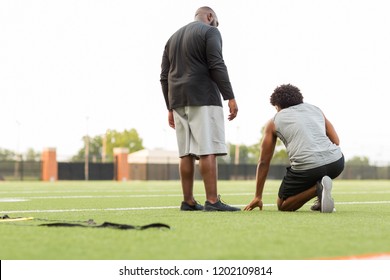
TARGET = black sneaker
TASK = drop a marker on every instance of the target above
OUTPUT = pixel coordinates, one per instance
(319, 190)
(219, 206)
(325, 202)
(316, 206)
(186, 207)
(317, 203)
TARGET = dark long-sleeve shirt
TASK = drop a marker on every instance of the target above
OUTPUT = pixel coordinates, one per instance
(193, 72)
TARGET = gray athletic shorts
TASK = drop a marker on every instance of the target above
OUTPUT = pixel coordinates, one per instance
(200, 130)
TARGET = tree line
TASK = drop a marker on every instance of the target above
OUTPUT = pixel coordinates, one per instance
(100, 149)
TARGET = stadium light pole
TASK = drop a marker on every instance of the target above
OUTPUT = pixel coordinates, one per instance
(237, 149)
(86, 152)
(18, 155)
(104, 148)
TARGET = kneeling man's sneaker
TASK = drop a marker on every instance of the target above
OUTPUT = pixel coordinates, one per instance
(327, 203)
(316, 206)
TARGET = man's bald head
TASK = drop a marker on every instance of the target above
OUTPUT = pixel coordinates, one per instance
(207, 15)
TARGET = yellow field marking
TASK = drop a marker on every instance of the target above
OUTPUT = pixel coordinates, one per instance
(16, 219)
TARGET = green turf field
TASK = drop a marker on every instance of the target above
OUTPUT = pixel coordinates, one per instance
(360, 226)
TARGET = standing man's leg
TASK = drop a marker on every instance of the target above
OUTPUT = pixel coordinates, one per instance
(208, 130)
(208, 170)
(187, 171)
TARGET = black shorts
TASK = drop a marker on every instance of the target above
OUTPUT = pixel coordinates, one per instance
(295, 182)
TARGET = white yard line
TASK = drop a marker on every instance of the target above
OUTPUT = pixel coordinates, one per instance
(159, 208)
(26, 198)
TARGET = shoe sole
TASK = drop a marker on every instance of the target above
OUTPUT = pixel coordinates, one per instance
(327, 203)
(210, 209)
(189, 208)
(214, 209)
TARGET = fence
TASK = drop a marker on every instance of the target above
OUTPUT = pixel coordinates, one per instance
(31, 170)
(225, 172)
(248, 172)
(20, 170)
(76, 171)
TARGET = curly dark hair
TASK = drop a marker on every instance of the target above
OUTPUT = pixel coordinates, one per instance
(286, 96)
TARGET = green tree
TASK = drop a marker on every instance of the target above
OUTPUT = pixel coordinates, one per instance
(246, 154)
(280, 154)
(94, 148)
(7, 154)
(126, 139)
(103, 145)
(358, 161)
(32, 155)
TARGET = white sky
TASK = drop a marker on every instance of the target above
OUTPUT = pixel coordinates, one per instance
(72, 66)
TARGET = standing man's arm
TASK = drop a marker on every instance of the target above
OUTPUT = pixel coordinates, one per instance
(165, 65)
(267, 150)
(171, 120)
(233, 109)
(218, 70)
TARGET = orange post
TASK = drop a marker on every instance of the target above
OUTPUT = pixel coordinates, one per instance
(121, 164)
(49, 165)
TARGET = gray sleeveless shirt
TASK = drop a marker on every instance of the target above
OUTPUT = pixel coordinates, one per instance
(302, 130)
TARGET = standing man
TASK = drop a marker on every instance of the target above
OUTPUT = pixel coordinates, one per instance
(193, 78)
(313, 149)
